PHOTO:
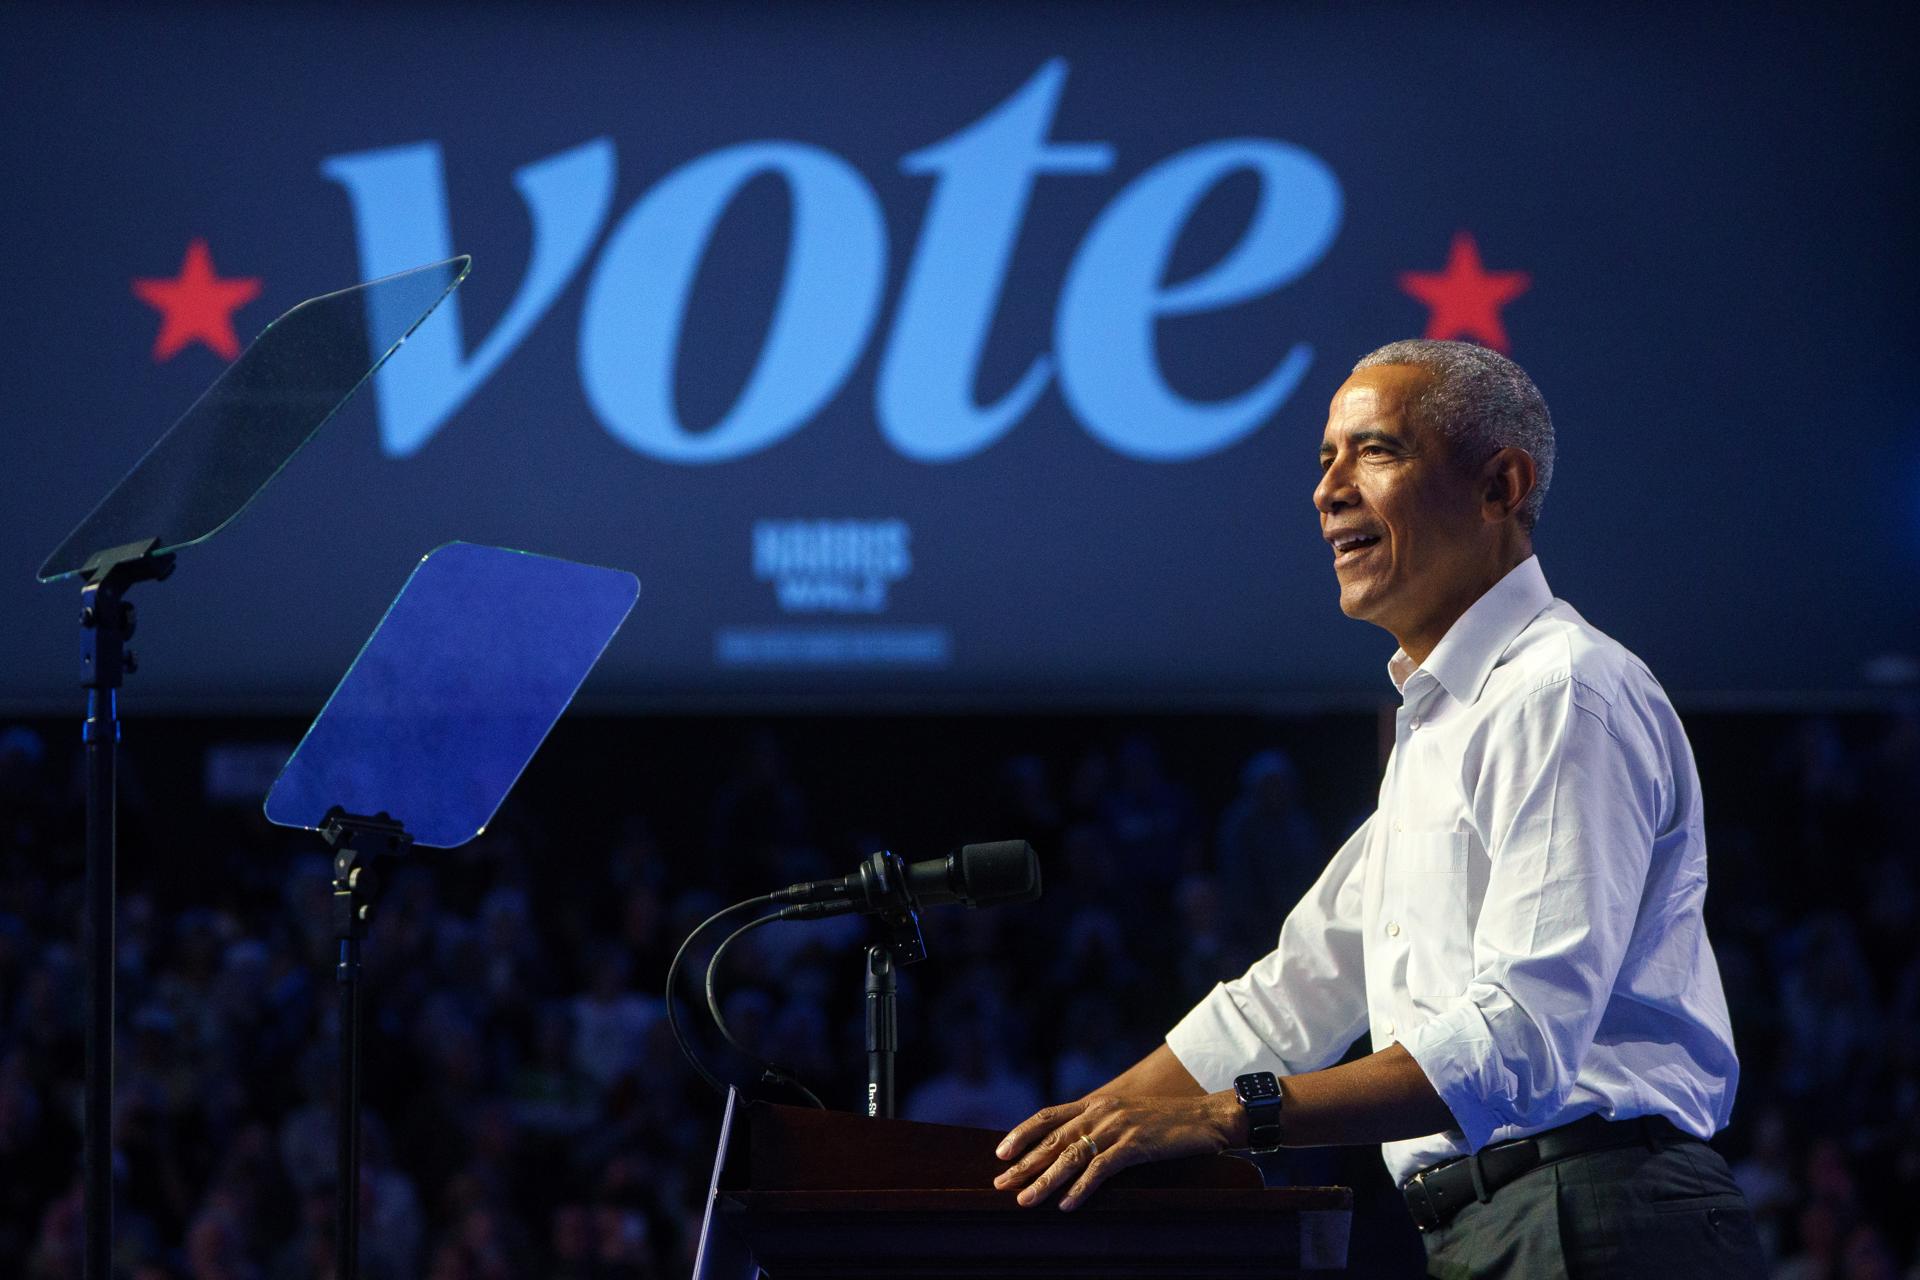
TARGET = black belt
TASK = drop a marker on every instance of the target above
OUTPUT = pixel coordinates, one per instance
(1434, 1195)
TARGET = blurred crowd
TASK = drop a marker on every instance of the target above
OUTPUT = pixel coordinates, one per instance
(527, 1113)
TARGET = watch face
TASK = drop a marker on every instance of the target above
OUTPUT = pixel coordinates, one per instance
(1257, 1086)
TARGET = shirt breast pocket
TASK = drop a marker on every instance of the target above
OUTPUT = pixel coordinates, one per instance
(1432, 852)
(1436, 924)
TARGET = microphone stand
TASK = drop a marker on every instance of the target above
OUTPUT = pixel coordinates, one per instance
(899, 915)
(883, 1030)
(884, 888)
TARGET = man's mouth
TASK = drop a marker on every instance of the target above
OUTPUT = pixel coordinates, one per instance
(1350, 547)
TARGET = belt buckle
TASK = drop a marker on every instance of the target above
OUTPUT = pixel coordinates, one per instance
(1420, 1204)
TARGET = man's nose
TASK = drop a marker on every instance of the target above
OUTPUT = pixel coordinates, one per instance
(1335, 490)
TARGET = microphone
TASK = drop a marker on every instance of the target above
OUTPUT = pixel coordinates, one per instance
(976, 875)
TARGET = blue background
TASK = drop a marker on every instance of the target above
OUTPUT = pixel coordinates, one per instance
(1715, 207)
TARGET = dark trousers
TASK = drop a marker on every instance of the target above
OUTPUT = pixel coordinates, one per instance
(1628, 1212)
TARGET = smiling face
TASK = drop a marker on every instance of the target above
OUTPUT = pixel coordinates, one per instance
(1417, 533)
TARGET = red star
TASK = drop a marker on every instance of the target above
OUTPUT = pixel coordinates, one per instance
(1465, 299)
(196, 305)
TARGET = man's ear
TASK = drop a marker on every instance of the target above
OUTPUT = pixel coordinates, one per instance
(1505, 481)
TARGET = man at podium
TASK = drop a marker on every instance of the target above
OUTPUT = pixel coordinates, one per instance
(1517, 927)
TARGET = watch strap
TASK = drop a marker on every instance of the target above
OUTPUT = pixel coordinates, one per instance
(1261, 1097)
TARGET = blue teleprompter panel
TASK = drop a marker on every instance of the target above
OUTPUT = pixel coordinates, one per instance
(475, 661)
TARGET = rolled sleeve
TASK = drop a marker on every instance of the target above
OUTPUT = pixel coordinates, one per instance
(1299, 1007)
(1215, 1042)
(1462, 1060)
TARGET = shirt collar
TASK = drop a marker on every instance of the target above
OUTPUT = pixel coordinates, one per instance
(1466, 655)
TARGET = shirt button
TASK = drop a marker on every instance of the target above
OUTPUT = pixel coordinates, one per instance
(1396, 826)
(1393, 930)
(1387, 1030)
(1414, 723)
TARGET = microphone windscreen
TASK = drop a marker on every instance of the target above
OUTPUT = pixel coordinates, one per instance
(1002, 871)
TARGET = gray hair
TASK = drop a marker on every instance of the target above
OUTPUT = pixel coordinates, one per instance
(1481, 402)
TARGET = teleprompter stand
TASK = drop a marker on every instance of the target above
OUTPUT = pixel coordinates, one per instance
(106, 624)
(421, 741)
(187, 487)
(360, 846)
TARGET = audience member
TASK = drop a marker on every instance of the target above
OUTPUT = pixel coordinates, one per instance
(1268, 853)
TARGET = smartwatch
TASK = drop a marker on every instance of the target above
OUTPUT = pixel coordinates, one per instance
(1259, 1094)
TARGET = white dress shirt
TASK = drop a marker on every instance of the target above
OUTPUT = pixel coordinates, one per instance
(1522, 911)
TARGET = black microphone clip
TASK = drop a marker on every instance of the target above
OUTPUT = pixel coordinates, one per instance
(889, 897)
(880, 889)
(975, 875)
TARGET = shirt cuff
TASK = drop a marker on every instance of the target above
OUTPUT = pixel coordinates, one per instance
(1456, 1051)
(1216, 1043)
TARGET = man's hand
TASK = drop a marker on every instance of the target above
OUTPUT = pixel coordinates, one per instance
(1125, 1131)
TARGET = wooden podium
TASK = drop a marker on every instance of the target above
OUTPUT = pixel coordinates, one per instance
(827, 1195)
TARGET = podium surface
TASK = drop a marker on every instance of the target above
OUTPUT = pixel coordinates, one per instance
(805, 1195)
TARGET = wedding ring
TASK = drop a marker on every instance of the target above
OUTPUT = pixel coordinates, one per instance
(1093, 1148)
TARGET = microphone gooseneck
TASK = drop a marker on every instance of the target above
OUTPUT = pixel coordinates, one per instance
(893, 891)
